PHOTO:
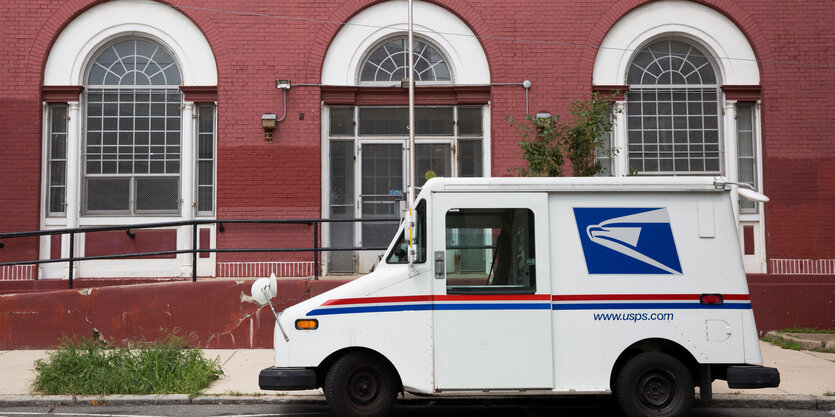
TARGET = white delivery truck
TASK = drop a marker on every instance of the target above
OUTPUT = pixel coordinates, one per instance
(631, 286)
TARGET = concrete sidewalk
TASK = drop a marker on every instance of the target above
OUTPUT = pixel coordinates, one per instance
(806, 379)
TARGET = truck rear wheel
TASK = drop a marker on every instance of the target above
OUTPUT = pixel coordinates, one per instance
(360, 385)
(654, 384)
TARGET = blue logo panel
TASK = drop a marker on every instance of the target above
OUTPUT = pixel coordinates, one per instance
(627, 240)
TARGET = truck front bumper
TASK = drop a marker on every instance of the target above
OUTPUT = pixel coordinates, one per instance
(753, 377)
(287, 379)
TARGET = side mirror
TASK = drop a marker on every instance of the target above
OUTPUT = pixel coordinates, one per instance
(752, 195)
(264, 289)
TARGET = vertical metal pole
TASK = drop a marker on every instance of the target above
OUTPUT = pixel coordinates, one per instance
(316, 250)
(411, 76)
(194, 252)
(72, 256)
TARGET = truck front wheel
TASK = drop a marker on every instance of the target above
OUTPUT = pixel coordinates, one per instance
(360, 385)
(654, 384)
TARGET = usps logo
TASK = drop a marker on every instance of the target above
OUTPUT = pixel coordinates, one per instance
(627, 240)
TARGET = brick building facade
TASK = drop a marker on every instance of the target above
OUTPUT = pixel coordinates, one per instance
(128, 112)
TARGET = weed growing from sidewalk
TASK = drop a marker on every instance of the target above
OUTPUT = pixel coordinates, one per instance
(783, 343)
(829, 394)
(793, 345)
(84, 367)
(806, 330)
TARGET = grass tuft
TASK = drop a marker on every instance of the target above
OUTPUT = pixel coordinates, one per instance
(85, 367)
(806, 330)
(783, 343)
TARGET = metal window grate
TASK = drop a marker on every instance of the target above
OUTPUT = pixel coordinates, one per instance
(57, 159)
(746, 152)
(673, 111)
(205, 159)
(673, 130)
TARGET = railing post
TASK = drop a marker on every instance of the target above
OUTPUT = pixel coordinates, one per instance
(316, 250)
(72, 256)
(194, 252)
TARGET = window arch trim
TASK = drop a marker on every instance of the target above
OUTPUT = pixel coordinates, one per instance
(464, 54)
(710, 29)
(77, 45)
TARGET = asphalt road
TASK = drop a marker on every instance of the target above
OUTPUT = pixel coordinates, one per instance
(588, 409)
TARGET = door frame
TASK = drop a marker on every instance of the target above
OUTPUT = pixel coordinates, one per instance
(535, 369)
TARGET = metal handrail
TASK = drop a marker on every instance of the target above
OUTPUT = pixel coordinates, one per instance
(194, 250)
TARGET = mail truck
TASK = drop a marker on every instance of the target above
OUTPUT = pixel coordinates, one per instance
(630, 286)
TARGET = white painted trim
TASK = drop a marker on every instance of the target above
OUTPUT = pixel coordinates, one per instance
(86, 34)
(465, 56)
(736, 62)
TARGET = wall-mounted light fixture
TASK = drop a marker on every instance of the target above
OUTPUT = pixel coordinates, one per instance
(268, 122)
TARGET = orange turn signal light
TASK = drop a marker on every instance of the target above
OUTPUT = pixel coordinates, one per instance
(307, 324)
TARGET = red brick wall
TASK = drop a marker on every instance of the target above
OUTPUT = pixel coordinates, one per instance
(282, 179)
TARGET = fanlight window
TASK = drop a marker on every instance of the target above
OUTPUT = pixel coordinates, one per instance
(132, 145)
(673, 111)
(134, 62)
(390, 62)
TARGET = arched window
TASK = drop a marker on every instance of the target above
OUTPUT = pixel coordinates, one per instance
(673, 111)
(687, 87)
(390, 62)
(132, 155)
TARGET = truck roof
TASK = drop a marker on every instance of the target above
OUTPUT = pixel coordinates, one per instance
(574, 184)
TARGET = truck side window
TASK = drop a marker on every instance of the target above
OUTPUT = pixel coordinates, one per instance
(490, 251)
(400, 252)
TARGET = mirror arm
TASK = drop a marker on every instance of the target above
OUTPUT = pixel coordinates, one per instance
(277, 315)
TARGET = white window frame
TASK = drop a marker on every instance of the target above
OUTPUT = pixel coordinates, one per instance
(66, 65)
(735, 64)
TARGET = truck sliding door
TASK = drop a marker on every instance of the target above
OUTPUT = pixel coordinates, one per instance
(492, 293)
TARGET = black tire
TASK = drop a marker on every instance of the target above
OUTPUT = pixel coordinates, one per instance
(360, 385)
(654, 384)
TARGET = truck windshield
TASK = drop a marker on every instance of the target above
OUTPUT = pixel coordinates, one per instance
(400, 251)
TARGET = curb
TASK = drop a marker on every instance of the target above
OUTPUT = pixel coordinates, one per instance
(789, 402)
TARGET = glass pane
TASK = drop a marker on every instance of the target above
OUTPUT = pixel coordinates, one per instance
(57, 155)
(108, 194)
(380, 121)
(342, 121)
(469, 158)
(671, 128)
(671, 62)
(341, 205)
(342, 179)
(432, 160)
(400, 250)
(134, 62)
(389, 63)
(158, 194)
(489, 249)
(469, 121)
(56, 199)
(205, 199)
(433, 121)
(382, 183)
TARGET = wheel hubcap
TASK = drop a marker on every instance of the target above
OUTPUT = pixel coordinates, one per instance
(657, 389)
(363, 386)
